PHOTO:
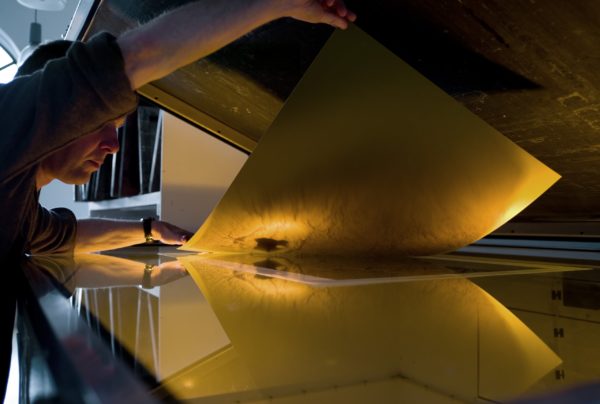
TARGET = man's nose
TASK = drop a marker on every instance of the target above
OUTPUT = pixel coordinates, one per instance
(110, 141)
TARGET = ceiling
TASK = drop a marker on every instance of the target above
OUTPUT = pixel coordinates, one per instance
(529, 68)
(15, 20)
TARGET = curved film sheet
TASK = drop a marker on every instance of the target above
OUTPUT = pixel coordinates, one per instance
(368, 157)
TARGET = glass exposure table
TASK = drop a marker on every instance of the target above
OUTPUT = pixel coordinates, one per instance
(148, 324)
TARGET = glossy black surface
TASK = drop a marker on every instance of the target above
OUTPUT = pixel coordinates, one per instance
(454, 328)
(61, 360)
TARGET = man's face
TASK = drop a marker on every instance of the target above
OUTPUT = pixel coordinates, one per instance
(75, 163)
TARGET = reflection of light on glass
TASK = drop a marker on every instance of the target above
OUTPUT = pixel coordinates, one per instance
(449, 335)
(188, 383)
(273, 287)
(512, 358)
(254, 283)
(262, 286)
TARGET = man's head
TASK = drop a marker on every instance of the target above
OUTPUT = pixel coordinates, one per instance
(42, 55)
(74, 163)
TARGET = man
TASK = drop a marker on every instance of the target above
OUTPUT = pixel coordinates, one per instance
(70, 107)
(59, 122)
(74, 164)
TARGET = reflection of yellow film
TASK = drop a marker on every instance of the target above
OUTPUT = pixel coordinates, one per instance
(368, 157)
(318, 271)
(449, 339)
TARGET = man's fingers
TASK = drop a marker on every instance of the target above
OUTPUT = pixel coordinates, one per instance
(338, 14)
(341, 9)
(171, 234)
(339, 23)
(185, 237)
(332, 12)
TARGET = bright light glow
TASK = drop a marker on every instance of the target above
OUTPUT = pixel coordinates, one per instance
(12, 386)
(5, 57)
(45, 5)
(8, 73)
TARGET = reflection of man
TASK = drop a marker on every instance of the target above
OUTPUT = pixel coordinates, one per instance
(79, 98)
(74, 164)
(101, 271)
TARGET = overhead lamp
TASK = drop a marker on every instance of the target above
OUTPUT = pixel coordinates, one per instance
(35, 29)
(44, 5)
(35, 39)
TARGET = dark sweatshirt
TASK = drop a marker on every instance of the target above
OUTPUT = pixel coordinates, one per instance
(41, 113)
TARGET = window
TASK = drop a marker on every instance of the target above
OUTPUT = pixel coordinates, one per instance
(8, 66)
(8, 58)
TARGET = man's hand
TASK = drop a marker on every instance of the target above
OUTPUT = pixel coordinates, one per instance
(167, 272)
(332, 12)
(105, 234)
(168, 233)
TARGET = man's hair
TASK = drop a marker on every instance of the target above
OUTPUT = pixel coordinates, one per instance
(42, 55)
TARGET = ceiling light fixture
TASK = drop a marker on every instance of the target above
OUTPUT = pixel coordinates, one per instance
(44, 5)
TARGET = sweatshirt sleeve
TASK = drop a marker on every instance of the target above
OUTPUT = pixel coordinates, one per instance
(71, 97)
(53, 232)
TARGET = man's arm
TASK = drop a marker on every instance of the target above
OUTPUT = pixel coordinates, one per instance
(100, 271)
(198, 29)
(103, 234)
